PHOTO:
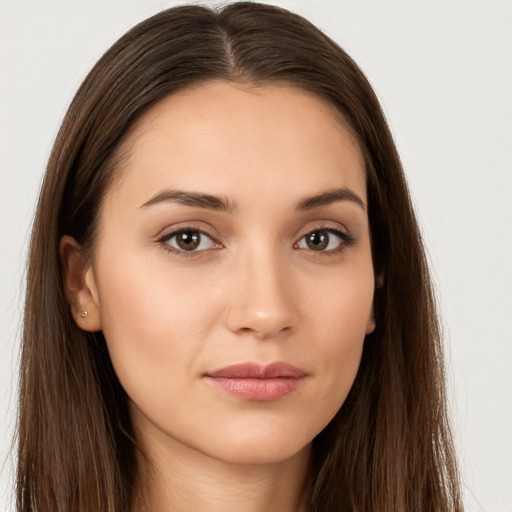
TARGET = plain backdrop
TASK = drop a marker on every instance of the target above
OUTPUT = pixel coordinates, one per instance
(443, 71)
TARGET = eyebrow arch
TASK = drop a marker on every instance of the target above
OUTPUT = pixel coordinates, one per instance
(330, 196)
(196, 199)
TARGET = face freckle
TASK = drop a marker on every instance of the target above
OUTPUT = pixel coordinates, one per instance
(250, 172)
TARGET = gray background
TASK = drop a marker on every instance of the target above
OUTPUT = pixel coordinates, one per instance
(443, 71)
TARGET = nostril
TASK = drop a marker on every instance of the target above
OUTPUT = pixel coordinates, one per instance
(264, 312)
(264, 333)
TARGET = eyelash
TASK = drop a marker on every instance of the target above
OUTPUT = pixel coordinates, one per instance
(346, 240)
(183, 229)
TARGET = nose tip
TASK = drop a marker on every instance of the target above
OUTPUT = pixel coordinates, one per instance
(260, 325)
(261, 304)
(263, 325)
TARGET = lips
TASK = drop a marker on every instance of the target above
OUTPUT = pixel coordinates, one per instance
(256, 382)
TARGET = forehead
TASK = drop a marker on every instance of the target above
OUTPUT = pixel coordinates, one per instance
(242, 141)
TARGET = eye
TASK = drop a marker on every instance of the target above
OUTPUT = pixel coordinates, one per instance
(188, 240)
(324, 240)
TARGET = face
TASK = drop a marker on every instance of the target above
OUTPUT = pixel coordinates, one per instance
(232, 274)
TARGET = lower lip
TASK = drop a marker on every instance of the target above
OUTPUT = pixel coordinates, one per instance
(257, 390)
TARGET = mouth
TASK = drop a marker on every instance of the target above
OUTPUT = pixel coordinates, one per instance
(257, 382)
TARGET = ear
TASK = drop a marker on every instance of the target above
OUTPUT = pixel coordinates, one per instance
(80, 285)
(370, 324)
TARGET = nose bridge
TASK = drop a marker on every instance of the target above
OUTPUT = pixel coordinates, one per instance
(261, 301)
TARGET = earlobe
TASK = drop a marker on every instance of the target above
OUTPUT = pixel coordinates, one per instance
(370, 324)
(80, 285)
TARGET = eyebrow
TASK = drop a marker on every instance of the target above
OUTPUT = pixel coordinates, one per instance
(223, 204)
(196, 199)
(330, 196)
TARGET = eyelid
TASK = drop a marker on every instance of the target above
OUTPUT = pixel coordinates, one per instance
(346, 238)
(169, 233)
(185, 226)
(326, 225)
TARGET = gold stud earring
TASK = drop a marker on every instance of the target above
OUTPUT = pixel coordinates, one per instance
(84, 314)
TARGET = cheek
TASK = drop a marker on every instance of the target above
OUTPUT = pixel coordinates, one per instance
(154, 323)
(340, 318)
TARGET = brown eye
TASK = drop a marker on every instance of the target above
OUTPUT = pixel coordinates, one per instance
(190, 240)
(318, 240)
(324, 240)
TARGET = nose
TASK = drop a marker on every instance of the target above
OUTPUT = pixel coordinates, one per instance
(262, 298)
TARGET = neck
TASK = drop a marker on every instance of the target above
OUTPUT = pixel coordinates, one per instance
(174, 477)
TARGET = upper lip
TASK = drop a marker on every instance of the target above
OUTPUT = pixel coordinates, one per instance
(258, 371)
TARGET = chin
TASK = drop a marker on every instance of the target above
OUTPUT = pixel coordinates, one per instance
(259, 452)
(264, 440)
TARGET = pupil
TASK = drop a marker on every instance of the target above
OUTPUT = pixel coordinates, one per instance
(188, 240)
(318, 240)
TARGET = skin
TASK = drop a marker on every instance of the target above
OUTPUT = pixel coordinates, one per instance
(254, 291)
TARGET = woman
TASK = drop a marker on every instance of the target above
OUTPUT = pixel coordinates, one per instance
(237, 308)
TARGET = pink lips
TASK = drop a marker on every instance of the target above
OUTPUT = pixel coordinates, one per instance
(256, 382)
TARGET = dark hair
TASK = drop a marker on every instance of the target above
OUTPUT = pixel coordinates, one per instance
(389, 448)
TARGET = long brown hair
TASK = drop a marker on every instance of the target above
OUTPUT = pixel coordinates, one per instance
(389, 448)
